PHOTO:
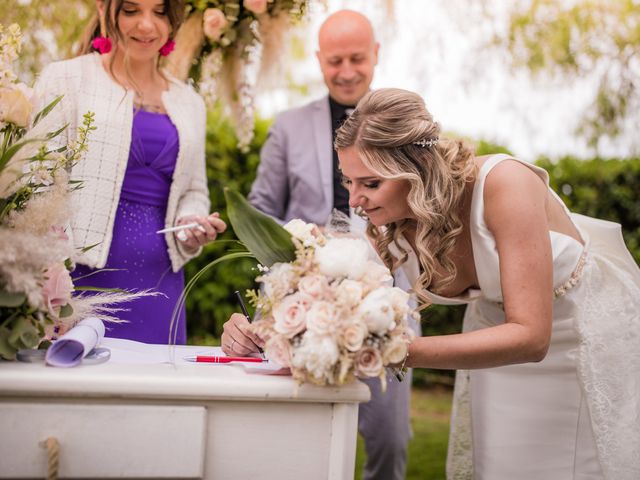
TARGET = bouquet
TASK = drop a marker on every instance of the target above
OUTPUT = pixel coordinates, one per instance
(38, 300)
(328, 311)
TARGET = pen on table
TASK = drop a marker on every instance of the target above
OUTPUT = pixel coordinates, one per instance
(219, 359)
(246, 313)
(178, 228)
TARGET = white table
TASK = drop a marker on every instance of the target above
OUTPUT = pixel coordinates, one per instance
(174, 421)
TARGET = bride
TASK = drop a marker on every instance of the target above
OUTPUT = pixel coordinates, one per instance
(548, 384)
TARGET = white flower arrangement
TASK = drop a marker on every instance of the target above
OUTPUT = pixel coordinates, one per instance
(38, 299)
(331, 314)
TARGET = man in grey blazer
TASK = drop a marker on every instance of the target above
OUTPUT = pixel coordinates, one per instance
(298, 177)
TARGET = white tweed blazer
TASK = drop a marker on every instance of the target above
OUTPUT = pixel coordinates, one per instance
(87, 87)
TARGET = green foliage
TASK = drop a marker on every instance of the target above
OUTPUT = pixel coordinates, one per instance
(574, 39)
(211, 301)
(606, 189)
(51, 28)
(426, 457)
(265, 238)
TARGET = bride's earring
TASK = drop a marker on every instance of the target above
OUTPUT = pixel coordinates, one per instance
(102, 43)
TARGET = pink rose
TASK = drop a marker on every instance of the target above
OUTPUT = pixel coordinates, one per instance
(15, 105)
(213, 23)
(255, 6)
(57, 288)
(279, 350)
(321, 318)
(353, 336)
(368, 362)
(290, 315)
(59, 233)
(316, 286)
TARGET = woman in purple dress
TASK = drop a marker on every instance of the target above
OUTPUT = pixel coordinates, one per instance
(145, 168)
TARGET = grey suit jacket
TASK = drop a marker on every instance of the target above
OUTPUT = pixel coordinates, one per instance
(295, 175)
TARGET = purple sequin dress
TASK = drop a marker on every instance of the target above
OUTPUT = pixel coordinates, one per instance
(137, 252)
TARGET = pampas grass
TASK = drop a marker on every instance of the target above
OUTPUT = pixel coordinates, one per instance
(189, 40)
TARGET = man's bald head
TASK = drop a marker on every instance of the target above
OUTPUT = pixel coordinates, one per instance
(347, 54)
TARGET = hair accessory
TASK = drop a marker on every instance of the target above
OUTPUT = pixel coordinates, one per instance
(102, 43)
(167, 48)
(426, 142)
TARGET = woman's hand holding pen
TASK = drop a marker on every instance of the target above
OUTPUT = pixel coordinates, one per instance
(206, 230)
(237, 339)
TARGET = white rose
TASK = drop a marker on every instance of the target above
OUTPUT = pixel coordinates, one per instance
(400, 301)
(377, 311)
(394, 351)
(278, 349)
(302, 231)
(353, 336)
(321, 318)
(368, 362)
(15, 105)
(213, 23)
(278, 281)
(290, 316)
(315, 286)
(343, 257)
(316, 354)
(378, 274)
(349, 293)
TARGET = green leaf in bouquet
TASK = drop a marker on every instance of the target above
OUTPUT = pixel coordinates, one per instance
(8, 154)
(11, 299)
(6, 350)
(89, 247)
(86, 288)
(23, 334)
(66, 311)
(268, 241)
(46, 110)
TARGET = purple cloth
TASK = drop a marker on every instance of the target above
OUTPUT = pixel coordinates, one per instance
(139, 254)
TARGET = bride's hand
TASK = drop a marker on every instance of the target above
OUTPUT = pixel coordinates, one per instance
(237, 338)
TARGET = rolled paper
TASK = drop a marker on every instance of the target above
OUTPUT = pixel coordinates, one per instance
(73, 346)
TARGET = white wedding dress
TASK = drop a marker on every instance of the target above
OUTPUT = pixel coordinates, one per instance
(576, 414)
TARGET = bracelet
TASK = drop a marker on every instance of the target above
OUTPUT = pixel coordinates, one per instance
(401, 372)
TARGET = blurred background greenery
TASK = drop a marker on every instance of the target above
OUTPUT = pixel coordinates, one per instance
(561, 40)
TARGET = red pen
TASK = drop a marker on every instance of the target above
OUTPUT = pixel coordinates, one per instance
(217, 359)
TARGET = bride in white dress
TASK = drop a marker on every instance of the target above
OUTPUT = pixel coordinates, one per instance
(548, 385)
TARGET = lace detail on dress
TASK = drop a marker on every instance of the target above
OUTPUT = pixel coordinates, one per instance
(460, 452)
(573, 279)
(608, 326)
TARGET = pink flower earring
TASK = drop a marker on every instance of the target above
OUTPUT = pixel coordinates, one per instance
(167, 48)
(102, 43)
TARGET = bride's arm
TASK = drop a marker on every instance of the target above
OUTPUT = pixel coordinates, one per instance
(515, 212)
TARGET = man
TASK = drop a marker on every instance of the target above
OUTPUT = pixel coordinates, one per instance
(298, 177)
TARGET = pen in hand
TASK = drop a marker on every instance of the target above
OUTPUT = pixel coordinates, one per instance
(246, 314)
(179, 228)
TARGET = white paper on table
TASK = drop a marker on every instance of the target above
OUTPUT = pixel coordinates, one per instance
(73, 346)
(132, 352)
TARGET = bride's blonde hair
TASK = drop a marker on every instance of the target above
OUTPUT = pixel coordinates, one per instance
(397, 138)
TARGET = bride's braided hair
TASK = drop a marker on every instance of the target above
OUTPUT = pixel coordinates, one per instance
(397, 138)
